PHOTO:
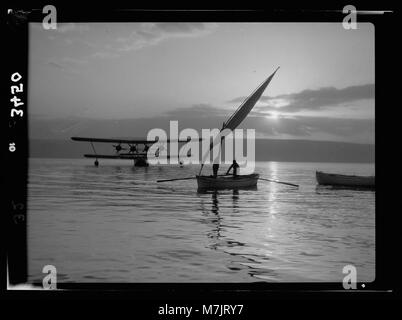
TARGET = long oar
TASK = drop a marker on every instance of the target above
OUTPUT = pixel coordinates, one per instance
(189, 178)
(290, 184)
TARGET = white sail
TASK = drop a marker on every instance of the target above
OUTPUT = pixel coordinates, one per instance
(241, 113)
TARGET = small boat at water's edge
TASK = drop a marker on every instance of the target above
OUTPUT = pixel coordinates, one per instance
(227, 182)
(345, 180)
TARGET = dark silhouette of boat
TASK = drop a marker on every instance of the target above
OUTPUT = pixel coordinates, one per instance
(343, 180)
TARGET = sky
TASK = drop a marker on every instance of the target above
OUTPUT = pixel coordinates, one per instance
(145, 74)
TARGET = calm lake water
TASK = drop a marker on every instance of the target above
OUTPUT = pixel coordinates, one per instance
(114, 223)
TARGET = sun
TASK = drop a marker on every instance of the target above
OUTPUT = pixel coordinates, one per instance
(273, 116)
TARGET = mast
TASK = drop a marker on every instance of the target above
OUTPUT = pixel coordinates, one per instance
(242, 111)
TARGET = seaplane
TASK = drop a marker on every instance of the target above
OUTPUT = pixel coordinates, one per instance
(127, 149)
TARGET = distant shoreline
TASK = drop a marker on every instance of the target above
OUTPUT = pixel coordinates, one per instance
(266, 150)
(129, 162)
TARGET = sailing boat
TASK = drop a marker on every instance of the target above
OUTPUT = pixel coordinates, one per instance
(240, 181)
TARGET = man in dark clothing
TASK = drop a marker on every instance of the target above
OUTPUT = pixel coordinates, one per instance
(235, 166)
(215, 168)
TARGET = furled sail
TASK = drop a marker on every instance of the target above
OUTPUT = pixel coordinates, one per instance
(242, 111)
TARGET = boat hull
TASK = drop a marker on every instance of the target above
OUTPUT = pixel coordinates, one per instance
(227, 182)
(345, 180)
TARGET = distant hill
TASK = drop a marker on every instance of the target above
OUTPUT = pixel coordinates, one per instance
(266, 150)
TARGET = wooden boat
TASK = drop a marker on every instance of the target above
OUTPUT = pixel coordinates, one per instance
(227, 182)
(345, 180)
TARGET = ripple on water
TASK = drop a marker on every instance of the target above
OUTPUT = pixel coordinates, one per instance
(115, 223)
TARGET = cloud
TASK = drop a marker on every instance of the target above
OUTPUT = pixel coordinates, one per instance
(73, 61)
(316, 100)
(204, 116)
(55, 65)
(298, 127)
(132, 37)
(202, 110)
(183, 27)
(307, 127)
(338, 129)
(71, 27)
(104, 54)
(67, 64)
(147, 34)
(62, 27)
(99, 41)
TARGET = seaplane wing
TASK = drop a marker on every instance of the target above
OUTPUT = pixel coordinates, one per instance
(116, 156)
(128, 141)
(132, 149)
(119, 156)
(131, 141)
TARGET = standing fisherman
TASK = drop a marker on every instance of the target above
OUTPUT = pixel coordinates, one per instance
(233, 166)
(215, 168)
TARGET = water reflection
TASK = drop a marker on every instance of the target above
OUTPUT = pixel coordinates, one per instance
(322, 189)
(273, 169)
(235, 201)
(215, 233)
(119, 174)
(216, 220)
(169, 231)
(215, 203)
